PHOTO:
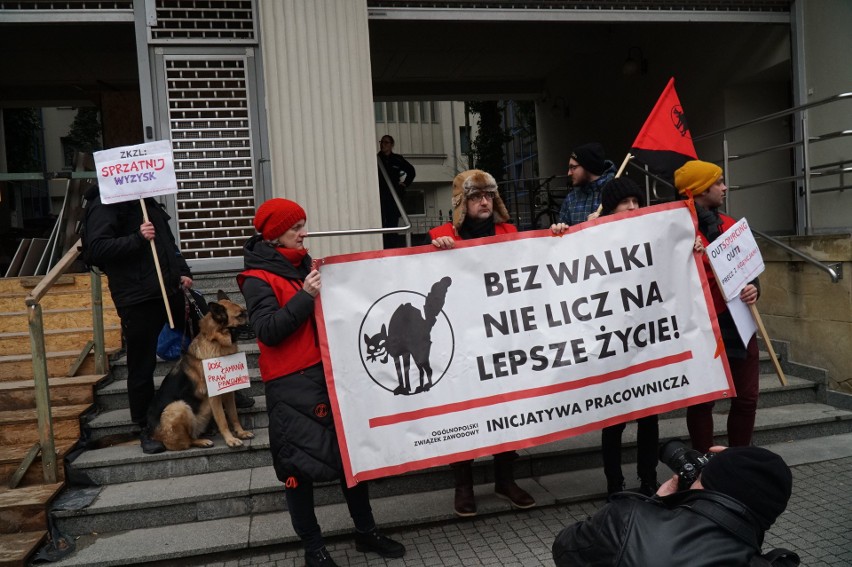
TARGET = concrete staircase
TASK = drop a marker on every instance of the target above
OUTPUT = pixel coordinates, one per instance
(125, 507)
(67, 316)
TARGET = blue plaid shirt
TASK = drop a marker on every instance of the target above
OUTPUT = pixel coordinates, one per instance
(585, 199)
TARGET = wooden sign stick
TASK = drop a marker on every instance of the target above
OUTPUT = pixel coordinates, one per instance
(159, 271)
(763, 333)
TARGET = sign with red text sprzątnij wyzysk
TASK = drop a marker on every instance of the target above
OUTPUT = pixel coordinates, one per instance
(135, 172)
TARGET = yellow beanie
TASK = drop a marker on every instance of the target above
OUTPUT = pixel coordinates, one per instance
(696, 177)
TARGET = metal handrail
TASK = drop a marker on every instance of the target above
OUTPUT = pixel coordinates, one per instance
(800, 144)
(774, 115)
(47, 442)
(392, 230)
(833, 270)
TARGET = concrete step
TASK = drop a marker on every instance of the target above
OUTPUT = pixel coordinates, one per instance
(25, 509)
(117, 422)
(20, 427)
(113, 395)
(15, 549)
(126, 463)
(20, 366)
(18, 342)
(66, 318)
(64, 391)
(194, 537)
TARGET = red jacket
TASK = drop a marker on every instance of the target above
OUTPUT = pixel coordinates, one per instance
(449, 230)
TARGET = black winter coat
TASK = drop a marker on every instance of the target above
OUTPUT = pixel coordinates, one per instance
(116, 245)
(699, 528)
(302, 437)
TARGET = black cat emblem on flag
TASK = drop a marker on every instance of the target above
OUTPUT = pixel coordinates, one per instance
(404, 327)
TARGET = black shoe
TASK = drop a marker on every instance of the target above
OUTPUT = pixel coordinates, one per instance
(243, 401)
(149, 445)
(648, 488)
(614, 487)
(377, 543)
(319, 558)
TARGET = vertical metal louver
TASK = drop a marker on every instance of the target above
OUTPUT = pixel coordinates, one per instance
(204, 21)
(209, 121)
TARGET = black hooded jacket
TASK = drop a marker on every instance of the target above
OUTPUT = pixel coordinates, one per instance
(302, 436)
(115, 243)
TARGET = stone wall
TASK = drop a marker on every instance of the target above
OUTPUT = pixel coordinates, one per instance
(800, 304)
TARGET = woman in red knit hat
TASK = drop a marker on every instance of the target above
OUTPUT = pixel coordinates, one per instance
(280, 286)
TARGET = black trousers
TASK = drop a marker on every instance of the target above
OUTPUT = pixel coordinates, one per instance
(141, 324)
(647, 439)
(300, 504)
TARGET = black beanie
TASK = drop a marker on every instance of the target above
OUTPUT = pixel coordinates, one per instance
(618, 189)
(756, 477)
(591, 157)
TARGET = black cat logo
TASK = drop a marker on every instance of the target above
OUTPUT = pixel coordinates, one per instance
(407, 336)
(679, 120)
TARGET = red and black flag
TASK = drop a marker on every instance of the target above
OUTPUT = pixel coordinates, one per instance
(664, 144)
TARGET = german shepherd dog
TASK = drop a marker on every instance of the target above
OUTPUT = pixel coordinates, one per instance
(181, 409)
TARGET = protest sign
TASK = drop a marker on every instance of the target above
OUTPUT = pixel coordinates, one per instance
(136, 172)
(436, 356)
(735, 259)
(226, 373)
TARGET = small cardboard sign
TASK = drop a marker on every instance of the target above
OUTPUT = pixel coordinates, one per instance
(135, 172)
(735, 259)
(226, 373)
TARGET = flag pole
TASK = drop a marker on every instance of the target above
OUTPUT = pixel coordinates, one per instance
(618, 173)
(157, 265)
(627, 158)
(757, 319)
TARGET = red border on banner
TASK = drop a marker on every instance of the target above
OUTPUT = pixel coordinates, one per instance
(527, 394)
(532, 441)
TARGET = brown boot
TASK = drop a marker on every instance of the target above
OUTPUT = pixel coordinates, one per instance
(464, 504)
(504, 482)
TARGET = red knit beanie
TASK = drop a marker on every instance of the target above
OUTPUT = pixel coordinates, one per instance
(275, 216)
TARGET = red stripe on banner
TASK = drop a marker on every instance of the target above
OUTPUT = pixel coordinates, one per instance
(393, 419)
(520, 444)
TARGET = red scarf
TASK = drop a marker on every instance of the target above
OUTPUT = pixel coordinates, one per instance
(294, 255)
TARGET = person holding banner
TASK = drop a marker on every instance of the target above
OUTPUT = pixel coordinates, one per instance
(280, 284)
(117, 238)
(589, 172)
(704, 182)
(478, 211)
(620, 195)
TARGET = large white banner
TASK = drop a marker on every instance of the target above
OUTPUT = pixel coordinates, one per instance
(136, 172)
(435, 356)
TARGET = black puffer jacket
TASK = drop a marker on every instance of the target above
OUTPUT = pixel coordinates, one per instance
(699, 528)
(302, 436)
(115, 244)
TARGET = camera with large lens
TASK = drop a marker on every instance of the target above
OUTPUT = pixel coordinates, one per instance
(687, 463)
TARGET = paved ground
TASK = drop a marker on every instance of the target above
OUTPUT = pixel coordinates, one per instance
(817, 525)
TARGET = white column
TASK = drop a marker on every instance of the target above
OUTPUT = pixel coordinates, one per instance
(319, 102)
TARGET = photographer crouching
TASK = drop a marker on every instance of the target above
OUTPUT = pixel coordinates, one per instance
(713, 511)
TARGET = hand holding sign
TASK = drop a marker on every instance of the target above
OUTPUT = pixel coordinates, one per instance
(136, 172)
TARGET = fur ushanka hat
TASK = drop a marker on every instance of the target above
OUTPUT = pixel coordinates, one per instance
(475, 181)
